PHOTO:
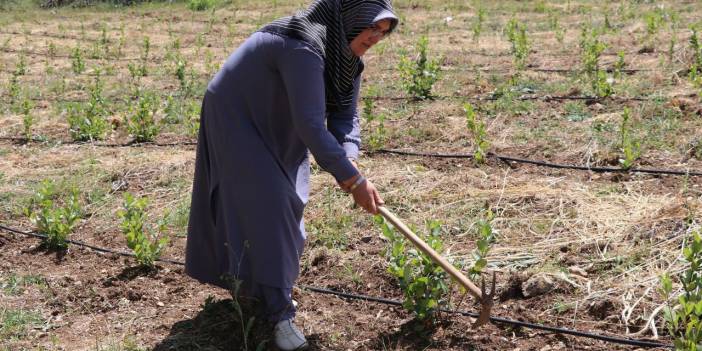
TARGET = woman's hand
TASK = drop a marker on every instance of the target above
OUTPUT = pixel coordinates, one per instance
(367, 196)
(364, 194)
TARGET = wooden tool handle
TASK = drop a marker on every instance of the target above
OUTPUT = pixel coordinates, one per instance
(420, 244)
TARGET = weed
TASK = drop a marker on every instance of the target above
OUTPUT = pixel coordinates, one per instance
(52, 219)
(141, 123)
(478, 130)
(419, 75)
(141, 70)
(423, 282)
(684, 319)
(15, 285)
(654, 20)
(14, 89)
(629, 147)
(146, 245)
(16, 324)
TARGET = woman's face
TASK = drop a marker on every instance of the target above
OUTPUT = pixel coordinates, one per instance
(369, 37)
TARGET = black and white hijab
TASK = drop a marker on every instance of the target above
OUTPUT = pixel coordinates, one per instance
(329, 26)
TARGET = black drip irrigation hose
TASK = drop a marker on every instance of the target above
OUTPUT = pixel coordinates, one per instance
(545, 164)
(522, 98)
(497, 320)
(506, 159)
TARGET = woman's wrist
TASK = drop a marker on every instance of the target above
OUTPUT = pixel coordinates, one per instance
(346, 184)
(357, 183)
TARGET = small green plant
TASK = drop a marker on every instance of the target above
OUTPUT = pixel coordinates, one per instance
(50, 217)
(375, 125)
(77, 61)
(419, 75)
(555, 26)
(146, 245)
(619, 65)
(591, 48)
(200, 5)
(14, 89)
(423, 282)
(602, 84)
(21, 68)
(141, 123)
(630, 148)
(654, 20)
(696, 67)
(478, 130)
(684, 319)
(193, 118)
(27, 117)
(477, 26)
(486, 237)
(87, 121)
(141, 69)
(516, 34)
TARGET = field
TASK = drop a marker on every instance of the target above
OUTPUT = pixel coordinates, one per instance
(586, 83)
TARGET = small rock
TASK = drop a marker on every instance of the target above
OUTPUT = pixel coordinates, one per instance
(366, 239)
(159, 304)
(538, 284)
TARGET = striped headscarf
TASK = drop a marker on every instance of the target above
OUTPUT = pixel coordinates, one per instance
(329, 26)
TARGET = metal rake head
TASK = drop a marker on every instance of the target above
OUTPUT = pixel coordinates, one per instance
(486, 302)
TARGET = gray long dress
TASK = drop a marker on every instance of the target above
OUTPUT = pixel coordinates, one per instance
(261, 113)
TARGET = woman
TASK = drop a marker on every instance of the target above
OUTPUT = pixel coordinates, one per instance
(261, 114)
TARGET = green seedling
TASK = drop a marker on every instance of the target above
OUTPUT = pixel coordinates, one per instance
(423, 282)
(477, 26)
(486, 237)
(87, 121)
(141, 122)
(684, 319)
(630, 148)
(516, 34)
(51, 217)
(375, 125)
(27, 117)
(144, 243)
(77, 62)
(419, 75)
(479, 133)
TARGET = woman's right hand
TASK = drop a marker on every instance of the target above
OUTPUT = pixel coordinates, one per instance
(367, 196)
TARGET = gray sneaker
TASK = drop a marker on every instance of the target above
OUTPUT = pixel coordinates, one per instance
(288, 337)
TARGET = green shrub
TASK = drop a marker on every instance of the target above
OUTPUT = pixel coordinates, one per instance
(141, 123)
(423, 282)
(87, 121)
(516, 34)
(486, 237)
(419, 75)
(631, 149)
(478, 130)
(146, 245)
(52, 218)
(684, 319)
(201, 5)
(77, 61)
(375, 125)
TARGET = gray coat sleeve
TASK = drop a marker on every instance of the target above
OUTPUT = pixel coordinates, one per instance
(302, 71)
(345, 125)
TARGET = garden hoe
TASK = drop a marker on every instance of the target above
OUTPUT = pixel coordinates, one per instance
(485, 298)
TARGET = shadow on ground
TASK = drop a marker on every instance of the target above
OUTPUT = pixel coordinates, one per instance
(218, 327)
